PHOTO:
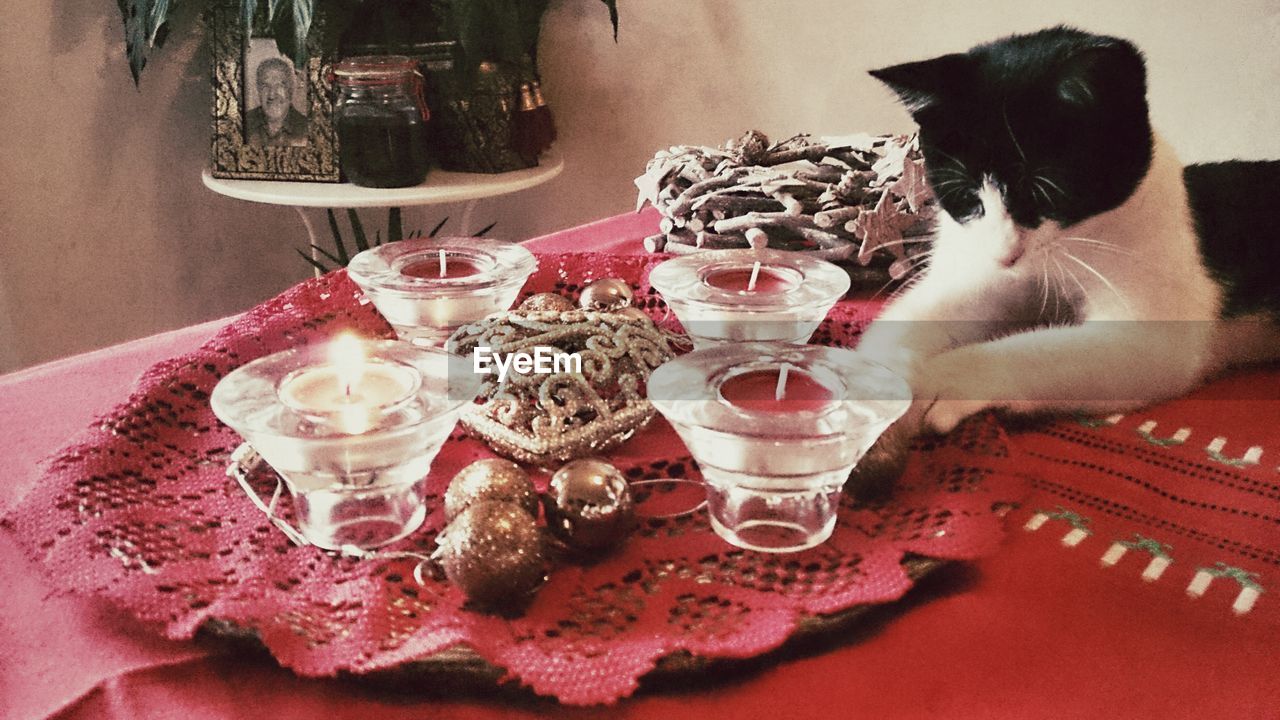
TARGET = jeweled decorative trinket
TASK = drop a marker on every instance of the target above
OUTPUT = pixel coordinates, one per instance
(545, 418)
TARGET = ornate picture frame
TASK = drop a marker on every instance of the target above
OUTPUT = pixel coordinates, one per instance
(304, 145)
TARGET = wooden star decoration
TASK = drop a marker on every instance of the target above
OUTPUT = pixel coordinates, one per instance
(652, 181)
(912, 186)
(891, 163)
(880, 227)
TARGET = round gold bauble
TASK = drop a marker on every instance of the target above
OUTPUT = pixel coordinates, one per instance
(490, 479)
(606, 294)
(547, 301)
(588, 505)
(494, 552)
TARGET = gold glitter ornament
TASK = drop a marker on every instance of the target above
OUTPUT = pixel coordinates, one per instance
(490, 479)
(550, 418)
(547, 301)
(588, 505)
(494, 552)
(632, 312)
(606, 294)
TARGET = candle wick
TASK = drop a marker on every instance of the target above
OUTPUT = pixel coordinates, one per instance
(780, 391)
(755, 275)
(442, 263)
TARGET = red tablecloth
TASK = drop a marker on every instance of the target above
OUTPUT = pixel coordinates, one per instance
(1044, 628)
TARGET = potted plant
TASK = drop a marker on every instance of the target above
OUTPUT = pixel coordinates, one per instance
(496, 30)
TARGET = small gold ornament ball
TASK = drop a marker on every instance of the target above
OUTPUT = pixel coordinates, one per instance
(588, 505)
(494, 552)
(632, 312)
(606, 294)
(490, 479)
(547, 301)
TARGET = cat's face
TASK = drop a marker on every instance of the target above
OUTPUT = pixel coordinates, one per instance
(1031, 133)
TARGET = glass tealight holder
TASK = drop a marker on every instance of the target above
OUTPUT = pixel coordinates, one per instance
(429, 287)
(352, 442)
(775, 451)
(723, 296)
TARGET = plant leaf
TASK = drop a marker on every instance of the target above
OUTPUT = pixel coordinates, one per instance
(357, 230)
(484, 230)
(332, 258)
(395, 226)
(436, 230)
(136, 14)
(156, 17)
(303, 12)
(343, 257)
(314, 263)
(272, 7)
(613, 16)
(247, 10)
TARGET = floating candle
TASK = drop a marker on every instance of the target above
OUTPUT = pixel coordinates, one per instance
(746, 295)
(756, 278)
(778, 390)
(350, 392)
(428, 287)
(447, 265)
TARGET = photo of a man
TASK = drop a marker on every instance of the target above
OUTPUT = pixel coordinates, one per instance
(273, 97)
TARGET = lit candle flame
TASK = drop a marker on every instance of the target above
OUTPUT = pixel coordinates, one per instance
(443, 261)
(755, 275)
(780, 391)
(346, 355)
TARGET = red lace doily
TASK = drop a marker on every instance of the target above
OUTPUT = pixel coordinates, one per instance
(139, 511)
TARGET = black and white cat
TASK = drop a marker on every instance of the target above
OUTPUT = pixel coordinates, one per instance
(1071, 269)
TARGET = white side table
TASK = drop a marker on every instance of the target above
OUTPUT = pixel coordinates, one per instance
(440, 187)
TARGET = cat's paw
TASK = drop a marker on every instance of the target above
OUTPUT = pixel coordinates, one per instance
(884, 463)
(944, 415)
(951, 387)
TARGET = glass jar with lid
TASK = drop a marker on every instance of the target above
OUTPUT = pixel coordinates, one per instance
(381, 118)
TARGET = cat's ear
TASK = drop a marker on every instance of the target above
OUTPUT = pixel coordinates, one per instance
(924, 83)
(1107, 70)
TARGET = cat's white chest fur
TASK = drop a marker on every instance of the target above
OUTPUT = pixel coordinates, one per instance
(985, 325)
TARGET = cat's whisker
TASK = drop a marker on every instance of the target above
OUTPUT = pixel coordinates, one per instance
(952, 182)
(1035, 185)
(1119, 296)
(903, 241)
(1084, 292)
(916, 262)
(1062, 287)
(1101, 244)
(1044, 302)
(1004, 110)
(1035, 188)
(952, 158)
(1052, 184)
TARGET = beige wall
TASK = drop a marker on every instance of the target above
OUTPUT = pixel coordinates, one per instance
(106, 232)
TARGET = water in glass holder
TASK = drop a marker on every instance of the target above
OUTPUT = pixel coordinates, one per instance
(776, 429)
(352, 438)
(724, 296)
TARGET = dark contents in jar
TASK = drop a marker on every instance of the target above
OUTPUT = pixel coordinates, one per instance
(382, 152)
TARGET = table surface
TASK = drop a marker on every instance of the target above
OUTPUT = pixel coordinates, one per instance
(1046, 627)
(441, 186)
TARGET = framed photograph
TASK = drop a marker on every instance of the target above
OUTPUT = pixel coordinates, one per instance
(271, 120)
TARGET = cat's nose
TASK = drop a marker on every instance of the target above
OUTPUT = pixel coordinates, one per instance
(1015, 253)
